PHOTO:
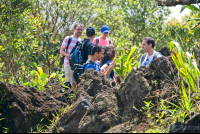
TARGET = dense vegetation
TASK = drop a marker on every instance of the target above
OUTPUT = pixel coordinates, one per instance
(32, 32)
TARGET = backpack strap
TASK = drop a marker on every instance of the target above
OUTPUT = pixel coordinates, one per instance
(109, 41)
(69, 41)
(87, 64)
(143, 57)
(97, 40)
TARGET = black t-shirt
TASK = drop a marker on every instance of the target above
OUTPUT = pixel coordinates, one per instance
(87, 48)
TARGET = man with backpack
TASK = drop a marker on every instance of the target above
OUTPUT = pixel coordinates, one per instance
(82, 51)
(97, 54)
(68, 43)
(148, 44)
(103, 39)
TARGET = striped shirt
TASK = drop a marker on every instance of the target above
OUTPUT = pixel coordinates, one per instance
(71, 45)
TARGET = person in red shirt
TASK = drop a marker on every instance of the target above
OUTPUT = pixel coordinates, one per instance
(103, 39)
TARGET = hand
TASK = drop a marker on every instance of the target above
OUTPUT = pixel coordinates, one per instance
(112, 64)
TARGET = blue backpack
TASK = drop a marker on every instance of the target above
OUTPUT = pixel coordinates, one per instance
(79, 69)
(76, 55)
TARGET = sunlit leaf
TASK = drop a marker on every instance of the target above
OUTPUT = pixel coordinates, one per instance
(40, 70)
(171, 44)
(182, 8)
(192, 7)
(175, 61)
(154, 10)
(130, 54)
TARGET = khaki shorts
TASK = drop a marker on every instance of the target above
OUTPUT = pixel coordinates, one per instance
(67, 74)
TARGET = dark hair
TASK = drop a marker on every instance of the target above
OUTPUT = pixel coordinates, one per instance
(109, 53)
(77, 24)
(118, 79)
(96, 48)
(90, 31)
(150, 40)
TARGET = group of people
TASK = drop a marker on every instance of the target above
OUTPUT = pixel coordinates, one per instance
(99, 53)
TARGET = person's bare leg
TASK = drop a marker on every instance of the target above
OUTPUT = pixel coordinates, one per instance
(72, 80)
(74, 85)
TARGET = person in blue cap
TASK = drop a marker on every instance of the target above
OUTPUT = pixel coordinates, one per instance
(103, 39)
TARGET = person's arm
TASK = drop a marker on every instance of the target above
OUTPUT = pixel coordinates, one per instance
(108, 69)
(104, 66)
(107, 73)
(62, 51)
(63, 47)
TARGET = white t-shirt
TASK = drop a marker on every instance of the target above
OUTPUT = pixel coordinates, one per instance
(147, 61)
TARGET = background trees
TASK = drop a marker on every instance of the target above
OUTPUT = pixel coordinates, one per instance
(32, 30)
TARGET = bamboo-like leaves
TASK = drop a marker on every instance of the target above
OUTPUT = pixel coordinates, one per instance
(125, 62)
(186, 67)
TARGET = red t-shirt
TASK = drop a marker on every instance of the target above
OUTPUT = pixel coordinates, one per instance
(102, 41)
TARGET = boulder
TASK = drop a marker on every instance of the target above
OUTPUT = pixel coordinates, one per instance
(102, 114)
(99, 91)
(54, 88)
(23, 108)
(165, 51)
(130, 95)
(68, 123)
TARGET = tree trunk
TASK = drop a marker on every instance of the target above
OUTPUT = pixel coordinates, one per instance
(176, 2)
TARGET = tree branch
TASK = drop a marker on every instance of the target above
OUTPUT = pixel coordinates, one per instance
(176, 2)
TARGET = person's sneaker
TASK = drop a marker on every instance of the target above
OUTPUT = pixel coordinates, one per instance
(67, 85)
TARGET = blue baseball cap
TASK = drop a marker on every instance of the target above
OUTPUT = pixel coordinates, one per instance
(105, 29)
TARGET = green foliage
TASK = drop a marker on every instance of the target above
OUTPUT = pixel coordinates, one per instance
(39, 79)
(32, 31)
(187, 67)
(148, 107)
(187, 32)
(187, 83)
(124, 62)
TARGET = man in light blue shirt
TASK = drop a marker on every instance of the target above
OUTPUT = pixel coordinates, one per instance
(148, 44)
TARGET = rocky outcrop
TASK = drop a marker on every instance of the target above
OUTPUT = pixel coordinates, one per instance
(68, 123)
(131, 94)
(23, 108)
(54, 88)
(119, 109)
(100, 106)
(99, 116)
